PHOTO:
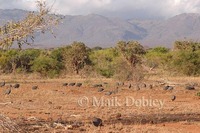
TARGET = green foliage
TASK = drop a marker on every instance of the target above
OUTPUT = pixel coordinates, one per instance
(46, 66)
(122, 70)
(187, 62)
(76, 56)
(131, 51)
(57, 54)
(158, 57)
(103, 61)
(26, 57)
(97, 48)
(8, 60)
(11, 60)
(123, 62)
(161, 50)
(47, 63)
(187, 45)
(198, 94)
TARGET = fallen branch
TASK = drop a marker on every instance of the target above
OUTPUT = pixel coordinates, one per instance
(5, 103)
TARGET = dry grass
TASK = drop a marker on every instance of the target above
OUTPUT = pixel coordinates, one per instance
(8, 126)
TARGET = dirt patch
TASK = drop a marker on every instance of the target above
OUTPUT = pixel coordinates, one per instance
(56, 108)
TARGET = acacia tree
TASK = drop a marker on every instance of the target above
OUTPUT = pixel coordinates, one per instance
(186, 46)
(76, 56)
(22, 32)
(130, 52)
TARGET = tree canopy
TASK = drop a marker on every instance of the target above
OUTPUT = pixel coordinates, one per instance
(22, 32)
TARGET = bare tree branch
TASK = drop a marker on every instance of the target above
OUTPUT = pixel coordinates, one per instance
(21, 31)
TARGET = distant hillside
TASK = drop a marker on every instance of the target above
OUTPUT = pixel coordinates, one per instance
(183, 26)
(97, 30)
(7, 15)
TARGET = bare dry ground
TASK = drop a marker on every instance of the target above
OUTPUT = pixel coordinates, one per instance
(58, 109)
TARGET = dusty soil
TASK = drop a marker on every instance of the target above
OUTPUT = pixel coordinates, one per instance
(56, 108)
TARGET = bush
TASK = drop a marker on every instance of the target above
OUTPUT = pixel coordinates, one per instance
(26, 57)
(103, 61)
(122, 70)
(161, 50)
(46, 66)
(187, 62)
(198, 94)
(157, 57)
(8, 60)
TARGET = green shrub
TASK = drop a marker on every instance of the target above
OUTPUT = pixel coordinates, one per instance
(158, 57)
(198, 94)
(187, 62)
(8, 60)
(103, 61)
(46, 66)
(26, 57)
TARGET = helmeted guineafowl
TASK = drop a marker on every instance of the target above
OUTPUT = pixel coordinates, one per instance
(97, 122)
(16, 85)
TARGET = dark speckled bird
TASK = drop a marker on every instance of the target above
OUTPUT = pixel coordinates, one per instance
(100, 89)
(170, 88)
(173, 97)
(78, 84)
(16, 86)
(35, 87)
(65, 84)
(72, 84)
(97, 122)
(189, 87)
(166, 87)
(8, 91)
(129, 86)
(2, 84)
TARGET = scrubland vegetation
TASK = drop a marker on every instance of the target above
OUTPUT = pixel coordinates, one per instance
(126, 61)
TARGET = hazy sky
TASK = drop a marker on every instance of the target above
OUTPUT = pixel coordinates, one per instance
(114, 8)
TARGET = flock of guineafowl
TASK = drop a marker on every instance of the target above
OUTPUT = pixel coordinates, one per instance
(137, 87)
(72, 84)
(97, 121)
(101, 88)
(15, 86)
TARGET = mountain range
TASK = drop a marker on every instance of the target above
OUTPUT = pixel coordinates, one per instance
(97, 30)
